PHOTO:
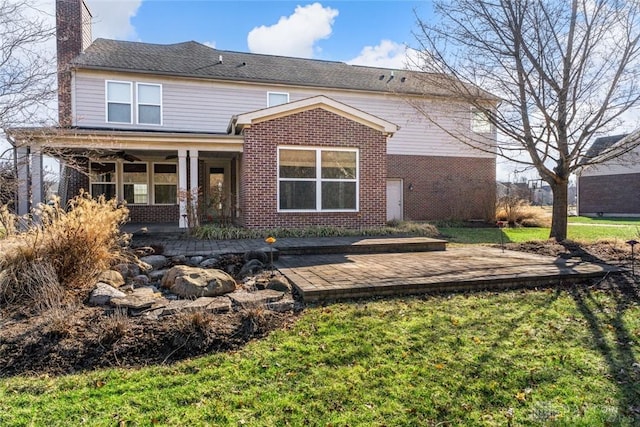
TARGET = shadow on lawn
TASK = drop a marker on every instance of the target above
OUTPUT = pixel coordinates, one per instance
(621, 362)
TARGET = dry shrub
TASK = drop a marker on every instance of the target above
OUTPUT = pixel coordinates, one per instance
(58, 322)
(113, 327)
(518, 211)
(34, 282)
(73, 245)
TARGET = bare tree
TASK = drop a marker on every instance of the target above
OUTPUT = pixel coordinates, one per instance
(564, 71)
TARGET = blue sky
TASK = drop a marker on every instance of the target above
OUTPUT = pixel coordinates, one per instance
(363, 32)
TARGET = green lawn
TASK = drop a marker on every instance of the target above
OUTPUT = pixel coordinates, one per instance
(577, 232)
(487, 359)
(604, 220)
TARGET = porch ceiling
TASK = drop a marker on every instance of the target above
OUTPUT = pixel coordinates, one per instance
(105, 140)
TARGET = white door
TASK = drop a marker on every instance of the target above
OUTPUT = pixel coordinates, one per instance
(394, 199)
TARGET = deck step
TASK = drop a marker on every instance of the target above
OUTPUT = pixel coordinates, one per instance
(363, 246)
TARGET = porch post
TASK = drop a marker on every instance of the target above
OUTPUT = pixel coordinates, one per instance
(182, 187)
(36, 177)
(22, 165)
(193, 184)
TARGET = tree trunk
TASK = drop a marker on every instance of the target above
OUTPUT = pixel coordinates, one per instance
(560, 207)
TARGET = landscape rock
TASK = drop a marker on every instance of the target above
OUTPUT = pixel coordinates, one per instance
(111, 277)
(190, 282)
(279, 284)
(179, 260)
(140, 299)
(155, 261)
(175, 306)
(195, 260)
(103, 293)
(144, 267)
(282, 306)
(209, 263)
(256, 299)
(251, 267)
(210, 304)
(127, 270)
(156, 275)
(141, 280)
(259, 255)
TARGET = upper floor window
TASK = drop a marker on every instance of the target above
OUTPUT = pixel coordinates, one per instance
(277, 98)
(479, 121)
(312, 179)
(119, 97)
(149, 103)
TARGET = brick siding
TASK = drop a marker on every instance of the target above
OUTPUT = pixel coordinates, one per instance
(154, 213)
(609, 194)
(445, 187)
(313, 128)
(69, 45)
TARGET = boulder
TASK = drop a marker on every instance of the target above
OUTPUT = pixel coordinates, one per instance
(111, 277)
(155, 261)
(140, 280)
(127, 270)
(195, 260)
(279, 284)
(140, 299)
(156, 275)
(179, 260)
(256, 299)
(209, 263)
(189, 282)
(282, 306)
(103, 293)
(252, 267)
(259, 255)
(210, 304)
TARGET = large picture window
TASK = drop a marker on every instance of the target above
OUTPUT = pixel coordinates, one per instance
(165, 184)
(317, 179)
(149, 103)
(135, 183)
(102, 177)
(118, 102)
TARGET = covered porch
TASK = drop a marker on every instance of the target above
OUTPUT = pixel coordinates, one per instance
(164, 177)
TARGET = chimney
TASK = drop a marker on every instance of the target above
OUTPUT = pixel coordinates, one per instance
(73, 35)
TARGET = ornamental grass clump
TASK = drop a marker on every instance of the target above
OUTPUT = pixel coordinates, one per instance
(62, 251)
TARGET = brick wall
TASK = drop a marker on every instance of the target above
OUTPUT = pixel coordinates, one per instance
(609, 194)
(154, 213)
(315, 128)
(69, 45)
(445, 187)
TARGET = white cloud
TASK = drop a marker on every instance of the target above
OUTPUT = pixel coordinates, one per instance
(212, 45)
(112, 18)
(294, 35)
(387, 54)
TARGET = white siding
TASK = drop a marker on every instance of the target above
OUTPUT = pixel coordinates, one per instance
(205, 106)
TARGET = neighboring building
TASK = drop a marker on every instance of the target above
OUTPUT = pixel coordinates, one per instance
(610, 188)
(265, 140)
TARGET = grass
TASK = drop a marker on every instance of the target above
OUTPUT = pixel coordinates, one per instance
(604, 220)
(579, 233)
(556, 357)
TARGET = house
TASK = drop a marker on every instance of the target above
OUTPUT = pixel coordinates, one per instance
(263, 140)
(610, 187)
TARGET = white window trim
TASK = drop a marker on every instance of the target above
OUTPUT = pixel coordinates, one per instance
(138, 104)
(152, 198)
(106, 100)
(318, 180)
(122, 183)
(276, 93)
(91, 181)
(473, 113)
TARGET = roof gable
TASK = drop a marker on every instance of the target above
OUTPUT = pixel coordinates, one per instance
(247, 119)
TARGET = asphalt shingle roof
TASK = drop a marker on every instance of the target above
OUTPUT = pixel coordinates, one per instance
(601, 144)
(192, 59)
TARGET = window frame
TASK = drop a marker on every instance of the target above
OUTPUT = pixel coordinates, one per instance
(269, 93)
(114, 183)
(107, 102)
(318, 179)
(138, 103)
(123, 183)
(153, 184)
